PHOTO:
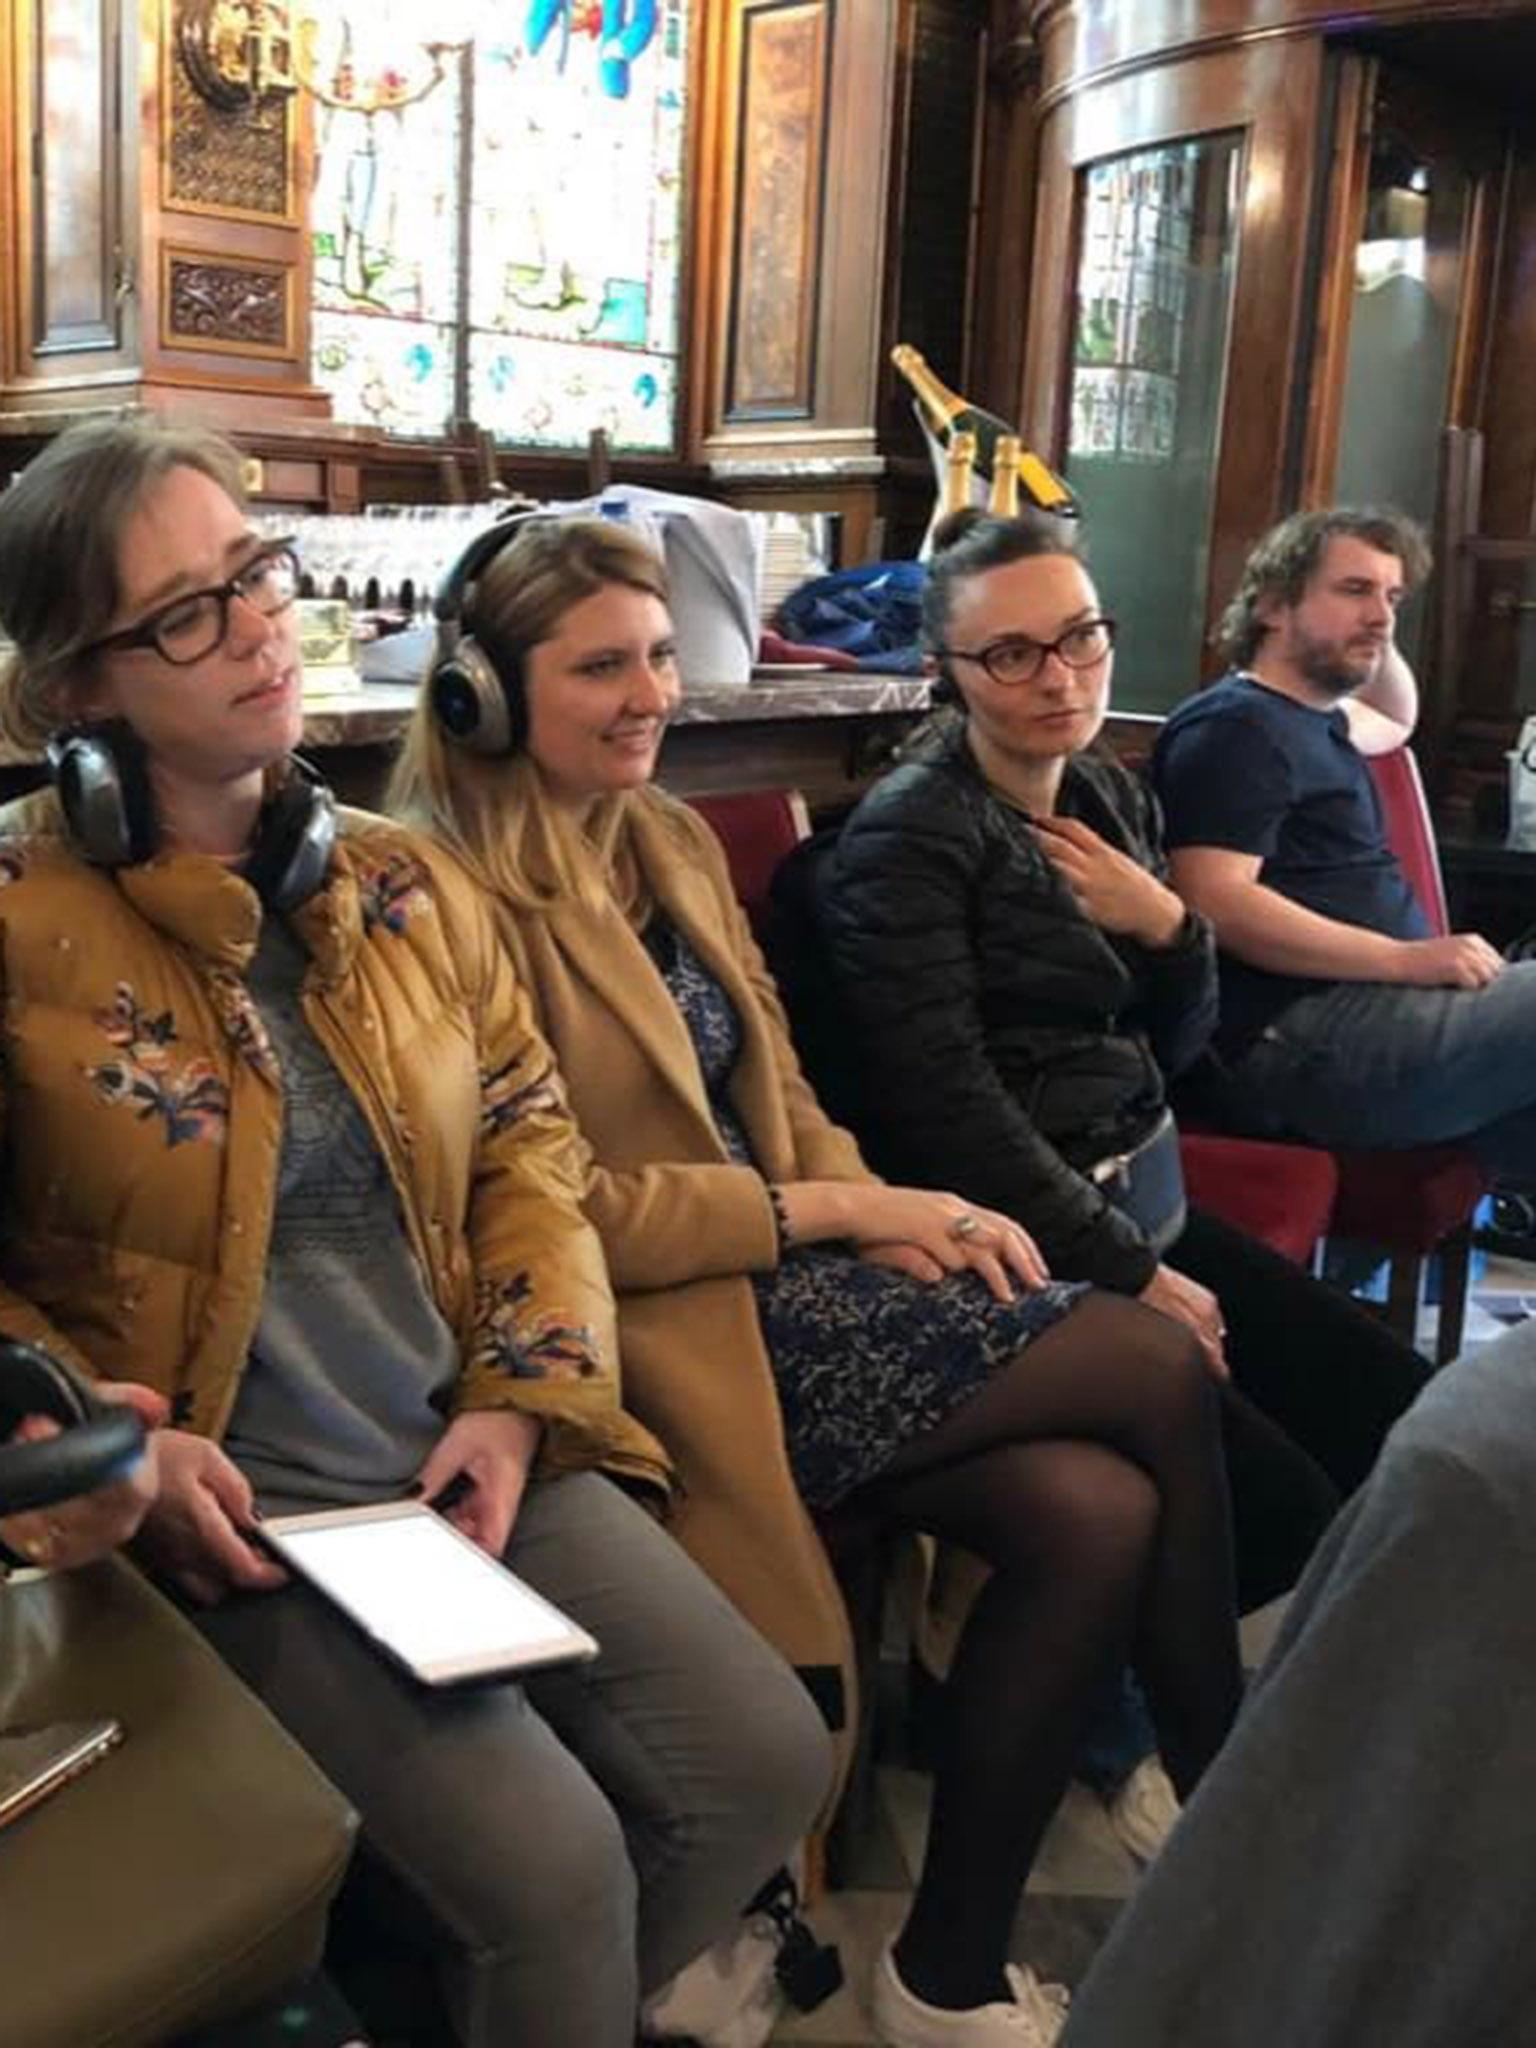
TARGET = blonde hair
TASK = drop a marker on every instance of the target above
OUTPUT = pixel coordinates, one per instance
(61, 527)
(496, 814)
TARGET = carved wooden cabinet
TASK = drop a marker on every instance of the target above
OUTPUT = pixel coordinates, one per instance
(151, 243)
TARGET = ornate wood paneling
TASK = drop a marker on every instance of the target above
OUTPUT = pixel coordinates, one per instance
(236, 161)
(802, 257)
(245, 308)
(72, 107)
(776, 243)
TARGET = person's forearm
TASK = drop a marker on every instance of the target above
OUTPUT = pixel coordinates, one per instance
(1265, 929)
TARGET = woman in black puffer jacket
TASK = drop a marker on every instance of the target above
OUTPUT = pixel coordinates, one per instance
(1014, 980)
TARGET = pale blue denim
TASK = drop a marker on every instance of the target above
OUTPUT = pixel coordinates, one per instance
(1364, 1063)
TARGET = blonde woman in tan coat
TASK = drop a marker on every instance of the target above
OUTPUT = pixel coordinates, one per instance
(792, 1328)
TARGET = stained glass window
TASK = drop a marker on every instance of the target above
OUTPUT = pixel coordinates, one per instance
(498, 220)
(1156, 262)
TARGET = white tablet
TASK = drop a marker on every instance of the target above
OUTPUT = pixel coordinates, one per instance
(426, 1595)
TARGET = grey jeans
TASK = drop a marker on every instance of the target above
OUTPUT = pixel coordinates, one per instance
(574, 1840)
(1367, 1063)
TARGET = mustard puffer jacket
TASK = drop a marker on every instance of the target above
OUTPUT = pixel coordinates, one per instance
(141, 1107)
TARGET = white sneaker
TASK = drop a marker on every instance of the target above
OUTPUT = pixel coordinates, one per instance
(1032, 2018)
(1143, 1811)
(728, 1997)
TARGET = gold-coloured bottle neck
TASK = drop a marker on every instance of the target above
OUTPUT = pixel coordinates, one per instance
(942, 403)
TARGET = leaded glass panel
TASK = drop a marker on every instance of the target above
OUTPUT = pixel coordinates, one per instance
(1156, 262)
(396, 375)
(576, 113)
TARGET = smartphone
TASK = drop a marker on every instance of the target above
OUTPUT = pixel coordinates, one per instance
(37, 1761)
(425, 1594)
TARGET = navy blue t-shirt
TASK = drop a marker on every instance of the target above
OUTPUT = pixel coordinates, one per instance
(1244, 767)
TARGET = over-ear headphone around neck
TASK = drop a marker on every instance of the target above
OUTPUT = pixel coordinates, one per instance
(98, 1441)
(101, 772)
(477, 697)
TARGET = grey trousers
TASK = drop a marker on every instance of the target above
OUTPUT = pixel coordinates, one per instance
(575, 1839)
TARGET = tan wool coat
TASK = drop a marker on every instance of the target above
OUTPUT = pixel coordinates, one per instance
(682, 1225)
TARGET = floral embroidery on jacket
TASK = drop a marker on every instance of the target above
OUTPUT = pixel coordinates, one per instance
(189, 1098)
(393, 892)
(505, 1098)
(528, 1345)
(243, 1022)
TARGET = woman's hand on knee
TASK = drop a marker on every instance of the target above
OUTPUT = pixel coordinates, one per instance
(1187, 1302)
(200, 1533)
(934, 1233)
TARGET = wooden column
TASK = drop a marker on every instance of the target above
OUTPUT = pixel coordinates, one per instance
(791, 250)
(156, 251)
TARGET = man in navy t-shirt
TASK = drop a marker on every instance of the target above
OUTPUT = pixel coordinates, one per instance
(1344, 1020)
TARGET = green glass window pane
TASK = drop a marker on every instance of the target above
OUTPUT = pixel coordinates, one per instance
(1153, 312)
(1402, 333)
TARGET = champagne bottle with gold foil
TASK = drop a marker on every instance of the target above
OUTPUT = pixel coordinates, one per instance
(948, 414)
(1003, 503)
(946, 411)
(959, 473)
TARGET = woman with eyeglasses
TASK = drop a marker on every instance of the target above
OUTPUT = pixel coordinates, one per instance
(281, 1143)
(1014, 981)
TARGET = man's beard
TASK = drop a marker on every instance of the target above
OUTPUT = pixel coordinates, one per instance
(1326, 664)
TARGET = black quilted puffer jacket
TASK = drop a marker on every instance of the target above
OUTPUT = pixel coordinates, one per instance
(993, 1039)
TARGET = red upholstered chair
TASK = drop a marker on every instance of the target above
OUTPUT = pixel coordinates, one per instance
(1283, 1195)
(1413, 1203)
(757, 828)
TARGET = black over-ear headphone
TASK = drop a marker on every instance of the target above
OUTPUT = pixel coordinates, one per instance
(101, 771)
(98, 1440)
(477, 699)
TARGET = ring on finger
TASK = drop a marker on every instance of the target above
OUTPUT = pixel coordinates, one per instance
(964, 1226)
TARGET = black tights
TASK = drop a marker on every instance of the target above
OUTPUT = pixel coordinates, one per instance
(1088, 1474)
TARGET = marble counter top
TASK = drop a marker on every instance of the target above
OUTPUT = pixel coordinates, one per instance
(374, 714)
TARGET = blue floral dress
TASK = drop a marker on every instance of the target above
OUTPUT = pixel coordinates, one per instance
(865, 1358)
